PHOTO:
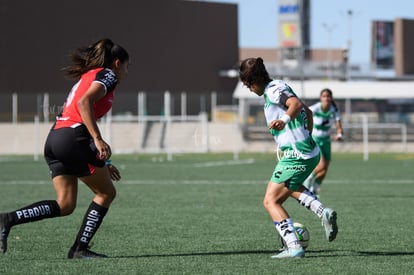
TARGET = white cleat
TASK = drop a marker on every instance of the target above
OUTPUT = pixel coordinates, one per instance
(329, 223)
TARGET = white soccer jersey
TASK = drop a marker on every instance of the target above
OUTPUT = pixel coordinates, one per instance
(323, 121)
(294, 140)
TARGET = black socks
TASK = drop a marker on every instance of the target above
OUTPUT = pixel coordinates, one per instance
(91, 222)
(34, 212)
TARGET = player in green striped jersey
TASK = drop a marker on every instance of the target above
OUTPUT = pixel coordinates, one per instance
(325, 114)
(290, 122)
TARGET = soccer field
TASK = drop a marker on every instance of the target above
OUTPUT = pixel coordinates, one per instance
(203, 214)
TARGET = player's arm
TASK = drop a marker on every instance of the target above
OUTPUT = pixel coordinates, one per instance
(339, 130)
(85, 104)
(113, 171)
(309, 117)
(294, 106)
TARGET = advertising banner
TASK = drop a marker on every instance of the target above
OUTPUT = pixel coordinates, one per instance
(383, 44)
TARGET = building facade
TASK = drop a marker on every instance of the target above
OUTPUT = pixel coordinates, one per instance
(179, 46)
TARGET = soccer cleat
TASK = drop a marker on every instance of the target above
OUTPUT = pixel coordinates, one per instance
(329, 223)
(84, 254)
(290, 253)
(4, 232)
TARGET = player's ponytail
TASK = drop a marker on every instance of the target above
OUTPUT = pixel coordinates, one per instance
(100, 54)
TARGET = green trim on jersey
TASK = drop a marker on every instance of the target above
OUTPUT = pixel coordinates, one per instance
(293, 139)
(299, 152)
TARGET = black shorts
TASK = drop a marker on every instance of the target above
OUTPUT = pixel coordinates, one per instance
(71, 151)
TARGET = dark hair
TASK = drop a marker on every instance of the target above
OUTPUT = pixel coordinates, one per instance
(253, 71)
(100, 54)
(329, 91)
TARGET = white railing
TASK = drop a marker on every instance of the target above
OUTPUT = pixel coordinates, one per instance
(365, 125)
(158, 134)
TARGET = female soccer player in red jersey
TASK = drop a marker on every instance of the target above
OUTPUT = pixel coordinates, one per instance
(75, 148)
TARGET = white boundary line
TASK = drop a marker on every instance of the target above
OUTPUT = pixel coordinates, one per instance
(223, 163)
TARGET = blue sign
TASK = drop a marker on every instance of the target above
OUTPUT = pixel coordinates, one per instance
(286, 9)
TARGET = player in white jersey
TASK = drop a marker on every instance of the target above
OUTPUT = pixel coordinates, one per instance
(325, 114)
(290, 123)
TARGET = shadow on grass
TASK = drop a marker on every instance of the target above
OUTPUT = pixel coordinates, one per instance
(218, 253)
(353, 253)
(384, 253)
(309, 254)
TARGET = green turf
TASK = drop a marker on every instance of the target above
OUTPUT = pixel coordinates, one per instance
(203, 214)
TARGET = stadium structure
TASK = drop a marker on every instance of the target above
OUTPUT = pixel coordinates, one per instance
(183, 81)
